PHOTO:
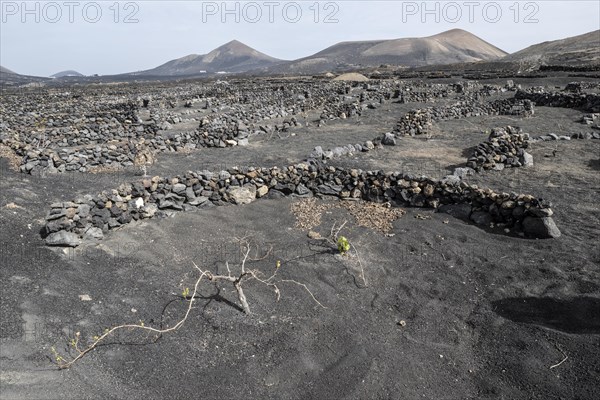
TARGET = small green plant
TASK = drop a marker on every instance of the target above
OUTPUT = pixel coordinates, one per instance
(343, 245)
(57, 357)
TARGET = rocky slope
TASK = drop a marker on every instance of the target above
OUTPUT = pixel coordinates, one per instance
(576, 50)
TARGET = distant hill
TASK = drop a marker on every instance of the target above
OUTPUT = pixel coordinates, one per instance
(10, 78)
(231, 57)
(455, 50)
(576, 50)
(69, 73)
(454, 46)
(5, 70)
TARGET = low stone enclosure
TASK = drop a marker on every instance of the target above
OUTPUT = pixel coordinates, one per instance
(122, 134)
(505, 148)
(89, 217)
(587, 102)
(113, 136)
(419, 121)
(496, 153)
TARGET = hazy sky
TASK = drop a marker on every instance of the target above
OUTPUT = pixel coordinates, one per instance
(109, 37)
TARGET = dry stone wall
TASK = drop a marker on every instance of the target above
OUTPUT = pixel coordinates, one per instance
(419, 121)
(587, 102)
(505, 148)
(67, 223)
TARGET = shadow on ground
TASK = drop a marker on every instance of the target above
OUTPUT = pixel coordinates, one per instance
(580, 315)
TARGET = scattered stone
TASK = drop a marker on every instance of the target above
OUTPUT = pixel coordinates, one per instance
(242, 195)
(317, 152)
(389, 139)
(481, 218)
(314, 235)
(149, 210)
(302, 190)
(261, 191)
(93, 233)
(179, 188)
(527, 159)
(329, 189)
(542, 228)
(64, 239)
(463, 172)
(197, 201)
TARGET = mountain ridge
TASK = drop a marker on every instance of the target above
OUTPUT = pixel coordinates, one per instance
(233, 56)
(574, 50)
(5, 70)
(453, 46)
